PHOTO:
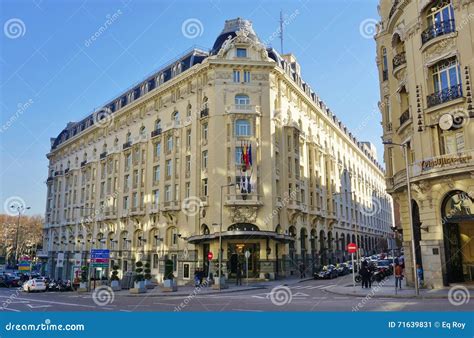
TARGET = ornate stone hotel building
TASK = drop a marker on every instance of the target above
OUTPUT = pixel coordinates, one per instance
(425, 55)
(233, 139)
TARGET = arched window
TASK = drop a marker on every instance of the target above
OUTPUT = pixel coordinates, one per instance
(205, 230)
(129, 137)
(142, 131)
(188, 110)
(158, 124)
(175, 116)
(242, 128)
(241, 100)
(204, 102)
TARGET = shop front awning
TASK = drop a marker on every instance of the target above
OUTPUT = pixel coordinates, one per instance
(241, 234)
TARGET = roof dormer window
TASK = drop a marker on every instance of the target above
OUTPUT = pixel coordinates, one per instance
(241, 53)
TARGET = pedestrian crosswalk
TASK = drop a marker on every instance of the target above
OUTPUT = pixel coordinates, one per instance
(312, 287)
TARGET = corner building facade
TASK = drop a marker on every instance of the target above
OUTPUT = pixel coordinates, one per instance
(425, 59)
(233, 134)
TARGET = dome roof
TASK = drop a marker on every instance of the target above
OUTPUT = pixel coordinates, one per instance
(230, 29)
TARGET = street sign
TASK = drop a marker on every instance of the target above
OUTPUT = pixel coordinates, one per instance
(24, 266)
(351, 248)
(209, 256)
(100, 258)
(247, 254)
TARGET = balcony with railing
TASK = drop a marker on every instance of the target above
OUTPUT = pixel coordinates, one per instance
(83, 163)
(103, 155)
(445, 95)
(242, 109)
(404, 117)
(204, 112)
(156, 132)
(127, 145)
(399, 60)
(243, 199)
(438, 29)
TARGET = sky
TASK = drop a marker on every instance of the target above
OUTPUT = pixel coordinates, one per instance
(52, 72)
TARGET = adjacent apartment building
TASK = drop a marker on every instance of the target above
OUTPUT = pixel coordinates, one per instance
(228, 143)
(425, 56)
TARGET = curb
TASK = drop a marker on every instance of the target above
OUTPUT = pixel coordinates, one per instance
(172, 294)
(386, 296)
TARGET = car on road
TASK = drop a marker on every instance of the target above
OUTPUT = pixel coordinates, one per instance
(342, 269)
(327, 272)
(35, 284)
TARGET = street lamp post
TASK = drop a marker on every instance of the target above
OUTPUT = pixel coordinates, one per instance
(19, 209)
(410, 214)
(220, 231)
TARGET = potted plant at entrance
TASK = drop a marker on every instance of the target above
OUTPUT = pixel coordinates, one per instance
(169, 282)
(114, 279)
(148, 276)
(83, 282)
(139, 283)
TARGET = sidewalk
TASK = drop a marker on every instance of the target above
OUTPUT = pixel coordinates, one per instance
(386, 289)
(184, 291)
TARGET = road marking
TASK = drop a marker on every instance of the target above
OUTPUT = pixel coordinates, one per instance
(300, 294)
(315, 287)
(328, 286)
(51, 302)
(320, 297)
(7, 308)
(37, 306)
(247, 310)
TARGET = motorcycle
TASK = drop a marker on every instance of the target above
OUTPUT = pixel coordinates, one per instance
(64, 286)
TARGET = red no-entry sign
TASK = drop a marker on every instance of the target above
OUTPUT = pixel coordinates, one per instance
(209, 256)
(351, 247)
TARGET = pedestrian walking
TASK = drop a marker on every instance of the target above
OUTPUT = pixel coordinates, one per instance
(419, 274)
(302, 271)
(398, 276)
(365, 274)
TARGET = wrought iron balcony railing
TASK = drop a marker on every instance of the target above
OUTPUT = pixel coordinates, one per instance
(445, 95)
(156, 132)
(404, 117)
(127, 145)
(399, 59)
(438, 29)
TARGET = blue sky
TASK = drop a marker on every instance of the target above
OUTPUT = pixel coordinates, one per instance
(50, 75)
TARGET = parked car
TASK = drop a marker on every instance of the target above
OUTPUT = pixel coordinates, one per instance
(328, 272)
(35, 284)
(342, 269)
(10, 280)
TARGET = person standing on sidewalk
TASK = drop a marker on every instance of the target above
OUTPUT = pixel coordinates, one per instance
(238, 280)
(419, 274)
(398, 276)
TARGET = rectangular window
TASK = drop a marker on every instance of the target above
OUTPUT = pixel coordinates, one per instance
(186, 271)
(169, 168)
(204, 131)
(157, 149)
(156, 198)
(156, 173)
(188, 138)
(241, 53)
(236, 76)
(188, 189)
(167, 193)
(204, 187)
(204, 159)
(246, 76)
(134, 200)
(238, 155)
(452, 142)
(169, 143)
(125, 203)
(188, 163)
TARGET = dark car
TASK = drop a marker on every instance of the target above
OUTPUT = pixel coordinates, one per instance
(385, 267)
(328, 272)
(9, 281)
(342, 269)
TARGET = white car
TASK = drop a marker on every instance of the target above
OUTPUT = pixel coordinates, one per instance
(35, 284)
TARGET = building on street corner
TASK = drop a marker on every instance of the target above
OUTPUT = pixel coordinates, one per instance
(233, 139)
(425, 60)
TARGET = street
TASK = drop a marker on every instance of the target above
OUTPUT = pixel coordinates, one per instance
(311, 295)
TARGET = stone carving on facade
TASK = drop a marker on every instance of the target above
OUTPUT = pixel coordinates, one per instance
(259, 77)
(439, 50)
(223, 75)
(246, 214)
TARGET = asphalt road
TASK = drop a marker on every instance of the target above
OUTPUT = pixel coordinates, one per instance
(306, 296)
